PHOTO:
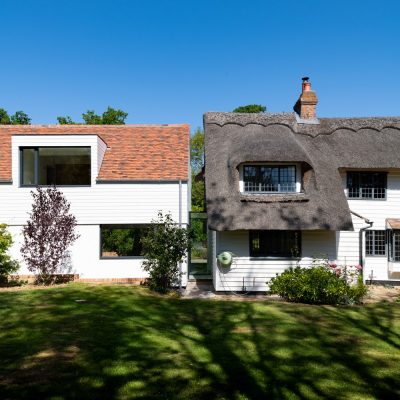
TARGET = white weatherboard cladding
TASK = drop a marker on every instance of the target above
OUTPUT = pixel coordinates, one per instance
(377, 211)
(341, 247)
(255, 272)
(106, 203)
(117, 203)
(85, 258)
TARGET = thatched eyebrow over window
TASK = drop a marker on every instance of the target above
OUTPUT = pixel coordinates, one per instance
(322, 149)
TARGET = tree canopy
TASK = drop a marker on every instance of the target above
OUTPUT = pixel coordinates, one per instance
(250, 108)
(19, 118)
(197, 164)
(111, 116)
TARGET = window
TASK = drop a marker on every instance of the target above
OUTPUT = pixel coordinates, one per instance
(394, 245)
(275, 243)
(55, 166)
(121, 240)
(375, 243)
(366, 185)
(269, 178)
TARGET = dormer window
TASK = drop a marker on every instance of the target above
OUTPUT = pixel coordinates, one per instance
(64, 166)
(269, 179)
(366, 185)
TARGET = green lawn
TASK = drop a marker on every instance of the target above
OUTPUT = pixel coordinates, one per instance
(123, 342)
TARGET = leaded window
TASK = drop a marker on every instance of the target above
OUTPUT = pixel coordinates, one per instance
(269, 178)
(366, 185)
(394, 244)
(274, 243)
(375, 243)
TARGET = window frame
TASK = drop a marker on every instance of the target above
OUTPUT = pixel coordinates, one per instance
(348, 175)
(118, 226)
(265, 255)
(392, 233)
(268, 165)
(36, 165)
(374, 245)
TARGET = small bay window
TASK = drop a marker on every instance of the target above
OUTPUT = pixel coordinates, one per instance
(394, 245)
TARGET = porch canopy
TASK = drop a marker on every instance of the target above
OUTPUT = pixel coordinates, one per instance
(392, 223)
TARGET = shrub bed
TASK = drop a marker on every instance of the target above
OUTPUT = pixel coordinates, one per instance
(319, 284)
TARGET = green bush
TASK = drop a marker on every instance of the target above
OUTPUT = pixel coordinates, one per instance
(165, 246)
(316, 285)
(7, 265)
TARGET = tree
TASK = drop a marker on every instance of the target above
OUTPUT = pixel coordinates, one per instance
(165, 246)
(65, 120)
(4, 117)
(197, 164)
(111, 116)
(250, 108)
(19, 118)
(48, 233)
(7, 264)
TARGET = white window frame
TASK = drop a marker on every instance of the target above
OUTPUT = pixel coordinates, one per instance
(270, 164)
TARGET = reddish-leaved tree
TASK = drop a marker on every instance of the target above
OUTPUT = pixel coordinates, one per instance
(48, 233)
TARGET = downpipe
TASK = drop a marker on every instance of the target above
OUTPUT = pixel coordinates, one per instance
(360, 239)
(180, 226)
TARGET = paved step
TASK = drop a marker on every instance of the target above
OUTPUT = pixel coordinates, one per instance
(199, 289)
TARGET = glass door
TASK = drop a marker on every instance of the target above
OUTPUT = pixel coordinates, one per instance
(199, 267)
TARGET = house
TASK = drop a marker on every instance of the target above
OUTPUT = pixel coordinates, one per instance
(284, 189)
(116, 179)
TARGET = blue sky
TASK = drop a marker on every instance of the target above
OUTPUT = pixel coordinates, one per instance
(171, 61)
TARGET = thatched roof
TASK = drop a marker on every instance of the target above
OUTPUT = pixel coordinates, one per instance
(321, 148)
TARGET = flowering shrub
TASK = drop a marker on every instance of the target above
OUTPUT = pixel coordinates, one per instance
(322, 283)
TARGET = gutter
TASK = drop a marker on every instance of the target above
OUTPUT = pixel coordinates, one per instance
(360, 240)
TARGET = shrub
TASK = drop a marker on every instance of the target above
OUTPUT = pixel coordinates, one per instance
(165, 246)
(48, 234)
(321, 284)
(7, 265)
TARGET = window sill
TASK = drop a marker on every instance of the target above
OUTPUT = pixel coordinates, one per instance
(274, 197)
(271, 258)
(123, 258)
(366, 198)
(56, 186)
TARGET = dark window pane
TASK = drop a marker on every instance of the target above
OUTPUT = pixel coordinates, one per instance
(122, 242)
(64, 166)
(269, 178)
(396, 246)
(28, 167)
(367, 185)
(375, 243)
(275, 243)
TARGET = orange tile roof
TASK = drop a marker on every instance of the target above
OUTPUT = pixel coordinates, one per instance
(135, 152)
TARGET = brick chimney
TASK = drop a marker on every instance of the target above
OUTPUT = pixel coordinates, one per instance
(307, 102)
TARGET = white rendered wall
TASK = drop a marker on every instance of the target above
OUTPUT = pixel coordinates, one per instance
(85, 258)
